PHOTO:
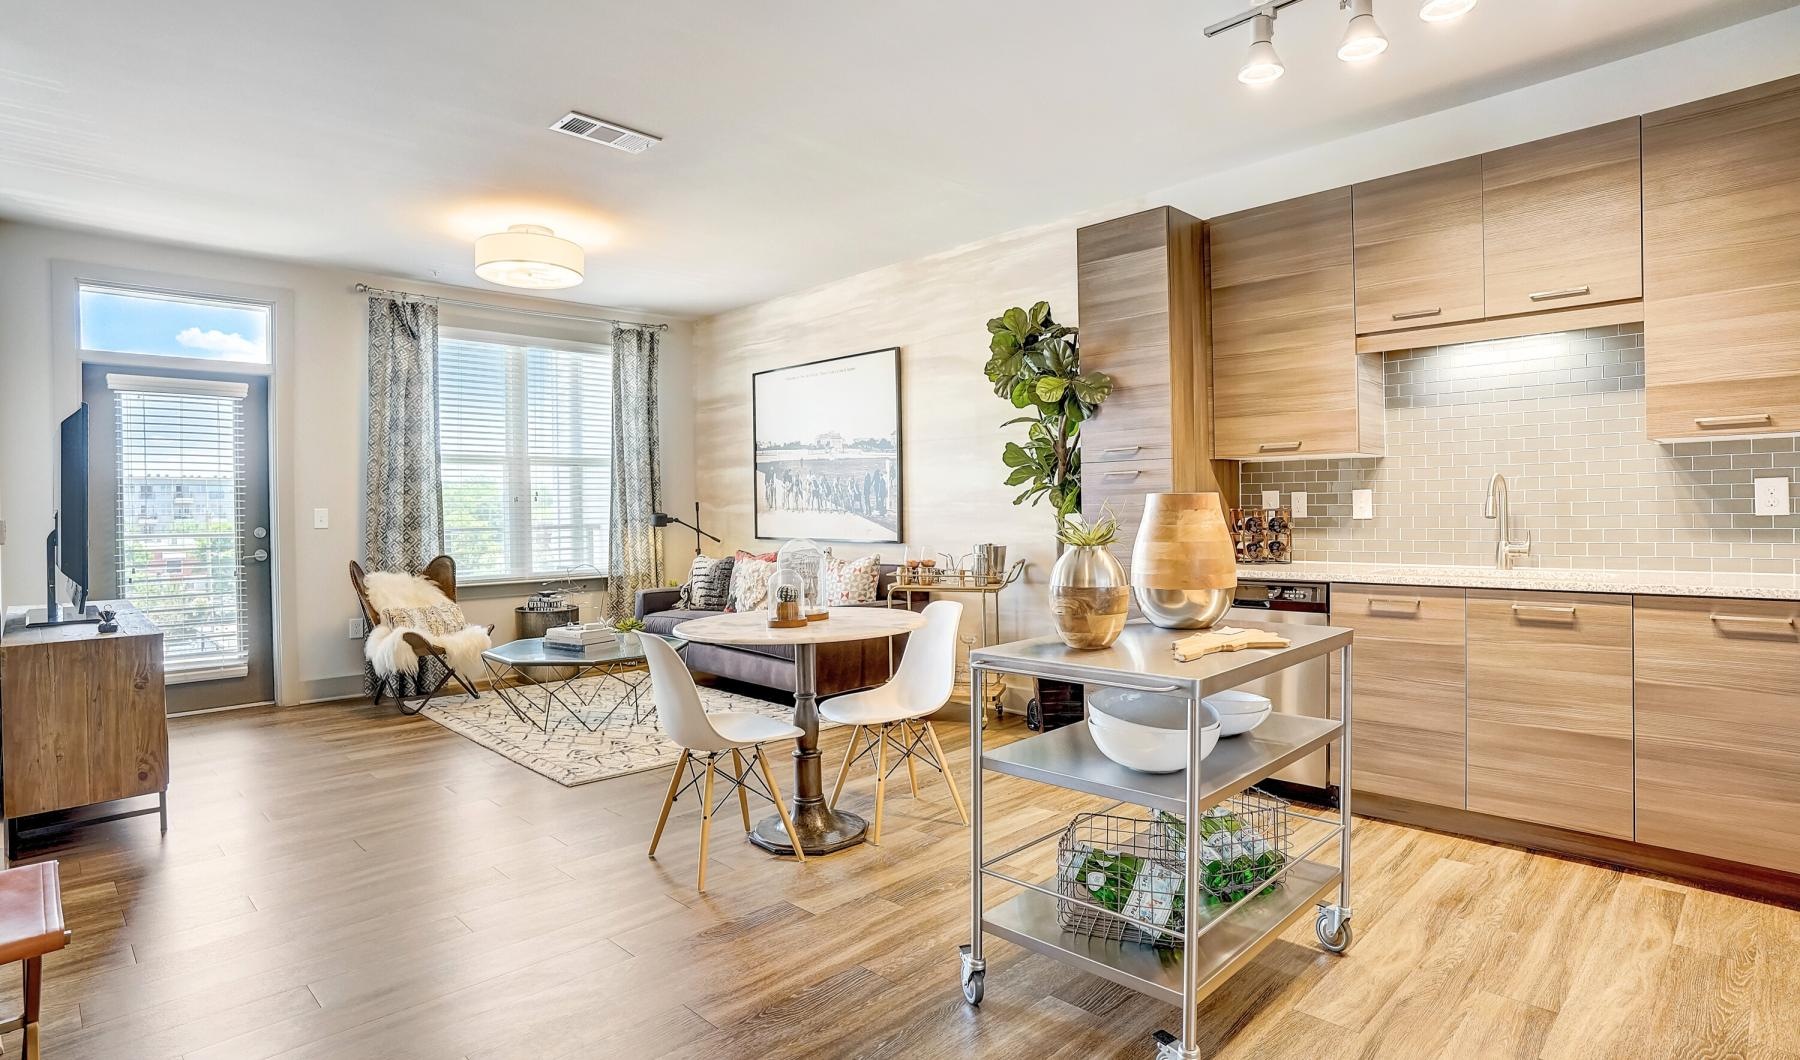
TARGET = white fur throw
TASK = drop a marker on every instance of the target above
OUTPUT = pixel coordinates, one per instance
(410, 603)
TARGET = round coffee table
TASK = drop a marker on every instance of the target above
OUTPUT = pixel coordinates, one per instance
(822, 829)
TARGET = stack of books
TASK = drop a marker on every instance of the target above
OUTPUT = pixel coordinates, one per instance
(578, 637)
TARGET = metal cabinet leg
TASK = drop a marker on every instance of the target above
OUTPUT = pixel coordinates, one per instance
(974, 968)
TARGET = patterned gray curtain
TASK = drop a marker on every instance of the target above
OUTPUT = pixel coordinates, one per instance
(634, 555)
(404, 502)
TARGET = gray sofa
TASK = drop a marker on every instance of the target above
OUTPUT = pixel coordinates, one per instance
(841, 667)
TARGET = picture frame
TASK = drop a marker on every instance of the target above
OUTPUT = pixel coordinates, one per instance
(826, 450)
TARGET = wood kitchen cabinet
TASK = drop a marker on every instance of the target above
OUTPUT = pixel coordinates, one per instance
(1417, 237)
(1562, 221)
(1718, 728)
(1410, 672)
(1142, 302)
(1550, 711)
(1287, 380)
(1721, 272)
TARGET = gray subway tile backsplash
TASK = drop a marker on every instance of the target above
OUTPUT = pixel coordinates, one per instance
(1562, 415)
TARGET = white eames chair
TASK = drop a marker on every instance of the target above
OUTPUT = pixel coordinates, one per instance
(890, 717)
(704, 738)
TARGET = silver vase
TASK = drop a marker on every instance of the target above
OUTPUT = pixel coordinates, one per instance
(1089, 597)
(1184, 608)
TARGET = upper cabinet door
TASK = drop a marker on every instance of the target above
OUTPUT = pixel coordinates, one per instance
(1563, 221)
(1722, 265)
(1287, 381)
(1418, 248)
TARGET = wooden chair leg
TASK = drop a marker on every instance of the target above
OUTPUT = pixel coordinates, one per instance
(706, 804)
(880, 782)
(780, 806)
(844, 771)
(944, 767)
(912, 771)
(737, 764)
(34, 982)
(669, 800)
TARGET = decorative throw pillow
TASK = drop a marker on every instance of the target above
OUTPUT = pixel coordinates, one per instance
(684, 601)
(851, 581)
(750, 576)
(711, 590)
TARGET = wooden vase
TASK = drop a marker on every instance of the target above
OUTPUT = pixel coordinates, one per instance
(1184, 564)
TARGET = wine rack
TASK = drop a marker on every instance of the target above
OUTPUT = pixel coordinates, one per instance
(1263, 535)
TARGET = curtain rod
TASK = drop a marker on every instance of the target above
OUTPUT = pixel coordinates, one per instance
(363, 288)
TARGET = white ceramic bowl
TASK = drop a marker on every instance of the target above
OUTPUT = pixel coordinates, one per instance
(1238, 711)
(1155, 739)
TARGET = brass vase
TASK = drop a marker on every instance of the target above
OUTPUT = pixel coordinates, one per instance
(1183, 565)
(1089, 597)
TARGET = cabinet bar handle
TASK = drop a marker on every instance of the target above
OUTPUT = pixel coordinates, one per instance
(1128, 450)
(1755, 620)
(1543, 609)
(1410, 603)
(1566, 292)
(1121, 474)
(1414, 314)
(1713, 423)
(1277, 447)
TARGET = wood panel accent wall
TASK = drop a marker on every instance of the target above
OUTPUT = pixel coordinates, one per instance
(82, 714)
(1142, 295)
(1550, 728)
(1721, 273)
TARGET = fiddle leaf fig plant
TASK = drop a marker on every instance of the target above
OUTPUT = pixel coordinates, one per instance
(1035, 363)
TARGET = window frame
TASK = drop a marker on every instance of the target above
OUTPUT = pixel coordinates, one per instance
(516, 464)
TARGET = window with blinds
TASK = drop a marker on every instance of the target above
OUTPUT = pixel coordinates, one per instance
(181, 482)
(525, 438)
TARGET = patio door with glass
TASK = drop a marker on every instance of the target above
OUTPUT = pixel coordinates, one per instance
(179, 503)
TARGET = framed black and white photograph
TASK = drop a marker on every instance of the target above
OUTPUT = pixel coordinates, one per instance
(827, 438)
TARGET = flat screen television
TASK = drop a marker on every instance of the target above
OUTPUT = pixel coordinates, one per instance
(66, 549)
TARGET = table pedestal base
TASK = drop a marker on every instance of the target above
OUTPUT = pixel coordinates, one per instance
(822, 830)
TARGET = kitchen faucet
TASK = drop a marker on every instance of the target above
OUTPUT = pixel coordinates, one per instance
(1506, 550)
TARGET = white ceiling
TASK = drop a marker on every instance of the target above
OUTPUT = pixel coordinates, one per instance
(804, 140)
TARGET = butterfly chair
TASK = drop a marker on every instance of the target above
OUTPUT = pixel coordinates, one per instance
(441, 572)
(704, 739)
(891, 716)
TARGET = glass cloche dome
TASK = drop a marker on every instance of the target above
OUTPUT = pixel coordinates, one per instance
(806, 561)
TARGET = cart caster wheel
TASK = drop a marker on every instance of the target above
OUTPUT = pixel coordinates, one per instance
(972, 987)
(1337, 943)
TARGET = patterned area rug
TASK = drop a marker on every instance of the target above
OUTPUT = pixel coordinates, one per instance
(569, 754)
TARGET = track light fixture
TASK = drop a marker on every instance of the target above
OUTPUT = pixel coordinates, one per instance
(1263, 65)
(1444, 10)
(1363, 39)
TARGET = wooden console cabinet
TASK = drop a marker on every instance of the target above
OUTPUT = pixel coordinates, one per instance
(82, 715)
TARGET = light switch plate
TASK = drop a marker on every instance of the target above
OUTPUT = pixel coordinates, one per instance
(1297, 502)
(1362, 504)
(1772, 496)
(1271, 498)
(321, 518)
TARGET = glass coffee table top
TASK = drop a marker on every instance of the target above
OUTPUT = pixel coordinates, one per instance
(532, 651)
(517, 669)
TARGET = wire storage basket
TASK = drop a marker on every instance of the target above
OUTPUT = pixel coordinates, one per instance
(1132, 867)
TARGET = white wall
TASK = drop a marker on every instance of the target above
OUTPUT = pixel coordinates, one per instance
(319, 399)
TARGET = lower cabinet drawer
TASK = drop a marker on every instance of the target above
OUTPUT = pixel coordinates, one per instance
(1550, 711)
(1718, 728)
(1408, 728)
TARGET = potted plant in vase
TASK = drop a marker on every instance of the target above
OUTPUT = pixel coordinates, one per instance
(1089, 594)
(626, 631)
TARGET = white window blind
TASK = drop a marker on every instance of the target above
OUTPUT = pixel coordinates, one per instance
(181, 485)
(525, 438)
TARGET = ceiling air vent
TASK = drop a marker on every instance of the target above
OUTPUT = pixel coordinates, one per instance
(588, 127)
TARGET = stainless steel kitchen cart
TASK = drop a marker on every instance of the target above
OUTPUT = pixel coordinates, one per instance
(1213, 941)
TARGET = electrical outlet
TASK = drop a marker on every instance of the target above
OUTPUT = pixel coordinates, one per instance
(1362, 504)
(1271, 498)
(1297, 501)
(321, 518)
(1772, 496)
(356, 627)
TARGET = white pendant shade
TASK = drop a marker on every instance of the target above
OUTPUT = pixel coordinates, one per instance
(529, 256)
(1263, 65)
(1363, 39)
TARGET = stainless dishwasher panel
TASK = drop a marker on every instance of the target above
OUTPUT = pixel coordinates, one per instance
(1304, 688)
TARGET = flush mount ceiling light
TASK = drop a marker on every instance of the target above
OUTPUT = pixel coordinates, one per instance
(1444, 10)
(529, 256)
(1363, 39)
(1263, 65)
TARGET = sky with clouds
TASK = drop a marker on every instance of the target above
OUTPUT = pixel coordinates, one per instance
(128, 322)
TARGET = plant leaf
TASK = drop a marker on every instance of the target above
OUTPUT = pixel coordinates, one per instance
(1050, 388)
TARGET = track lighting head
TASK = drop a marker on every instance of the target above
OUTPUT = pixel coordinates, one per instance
(1444, 10)
(1363, 39)
(1263, 65)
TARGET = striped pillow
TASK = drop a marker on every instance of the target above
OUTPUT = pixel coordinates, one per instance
(708, 586)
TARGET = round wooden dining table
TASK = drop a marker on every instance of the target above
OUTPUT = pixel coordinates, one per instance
(821, 829)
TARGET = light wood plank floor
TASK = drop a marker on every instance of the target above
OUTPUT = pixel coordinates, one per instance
(340, 881)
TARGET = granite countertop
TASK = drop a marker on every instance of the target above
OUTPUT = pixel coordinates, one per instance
(1644, 583)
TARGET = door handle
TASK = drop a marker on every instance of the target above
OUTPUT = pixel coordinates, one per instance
(1713, 423)
(1277, 447)
(261, 555)
(1121, 474)
(1416, 314)
(1779, 625)
(1395, 603)
(1543, 611)
(1566, 292)
(1121, 450)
